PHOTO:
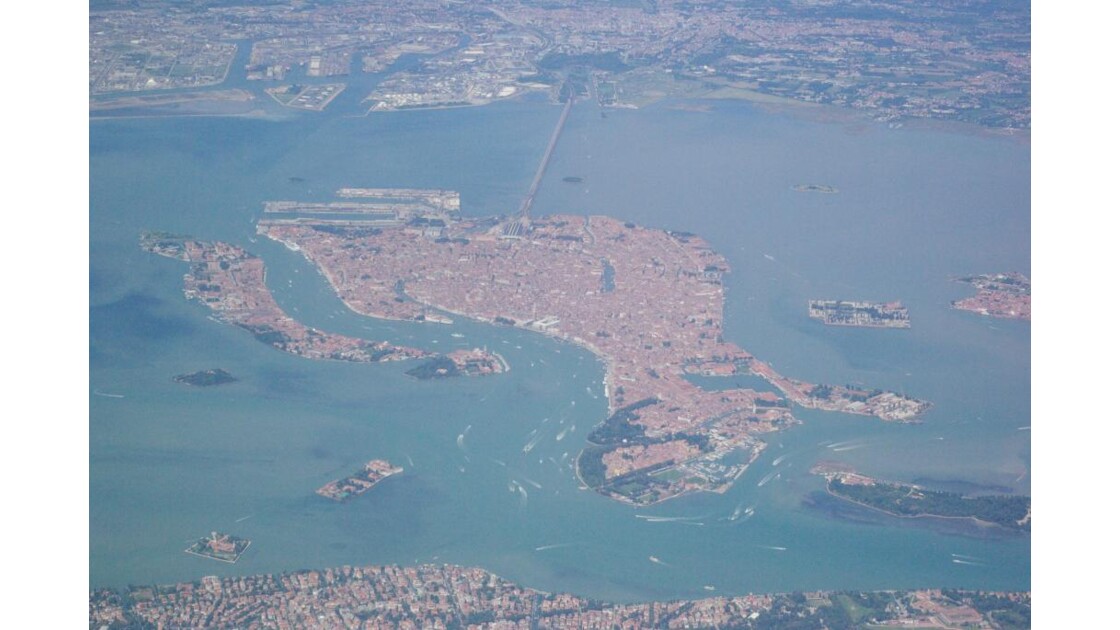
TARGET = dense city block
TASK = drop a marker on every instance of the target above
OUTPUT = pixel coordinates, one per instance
(648, 303)
(231, 282)
(864, 314)
(374, 472)
(430, 596)
(1004, 295)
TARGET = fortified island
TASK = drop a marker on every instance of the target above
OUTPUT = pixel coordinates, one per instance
(1005, 295)
(374, 472)
(219, 546)
(862, 314)
(913, 501)
(648, 303)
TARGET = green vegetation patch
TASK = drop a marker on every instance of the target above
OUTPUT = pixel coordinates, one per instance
(618, 427)
(856, 613)
(591, 468)
(206, 378)
(906, 500)
(439, 367)
(669, 475)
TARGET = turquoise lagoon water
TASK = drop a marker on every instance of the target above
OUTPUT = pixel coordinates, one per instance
(170, 463)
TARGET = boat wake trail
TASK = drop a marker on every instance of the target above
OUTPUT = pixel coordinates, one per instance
(555, 546)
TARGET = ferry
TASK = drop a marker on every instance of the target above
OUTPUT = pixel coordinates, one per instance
(768, 478)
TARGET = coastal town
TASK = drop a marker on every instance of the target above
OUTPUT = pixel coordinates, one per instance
(231, 282)
(1002, 295)
(374, 472)
(893, 62)
(178, 59)
(862, 314)
(648, 303)
(235, 121)
(430, 596)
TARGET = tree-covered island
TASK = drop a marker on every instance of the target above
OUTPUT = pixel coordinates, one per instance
(206, 378)
(913, 501)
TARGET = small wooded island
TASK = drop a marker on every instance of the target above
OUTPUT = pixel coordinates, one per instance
(817, 188)
(913, 501)
(206, 378)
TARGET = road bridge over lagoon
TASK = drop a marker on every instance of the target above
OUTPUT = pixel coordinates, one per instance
(527, 202)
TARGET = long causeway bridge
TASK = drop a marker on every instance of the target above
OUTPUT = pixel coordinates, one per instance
(527, 202)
